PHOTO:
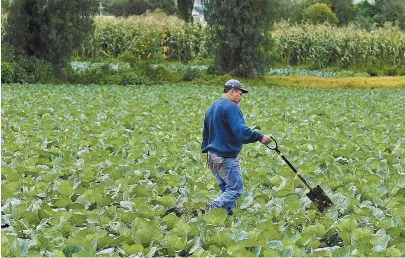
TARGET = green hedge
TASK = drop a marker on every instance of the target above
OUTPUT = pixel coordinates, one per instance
(26, 70)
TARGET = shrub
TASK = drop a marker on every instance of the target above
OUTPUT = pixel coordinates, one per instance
(191, 74)
(7, 72)
(373, 71)
(129, 58)
(132, 78)
(320, 13)
(25, 69)
(401, 71)
(391, 71)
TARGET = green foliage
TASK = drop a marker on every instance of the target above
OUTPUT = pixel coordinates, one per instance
(49, 30)
(139, 148)
(320, 13)
(18, 68)
(166, 41)
(350, 47)
(365, 9)
(344, 10)
(145, 234)
(315, 46)
(390, 11)
(131, 78)
(291, 71)
(365, 13)
(138, 7)
(147, 46)
(286, 10)
(141, 73)
(243, 43)
(191, 74)
(4, 6)
(190, 43)
(7, 72)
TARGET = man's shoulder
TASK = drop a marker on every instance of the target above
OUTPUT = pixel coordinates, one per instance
(218, 103)
(224, 104)
(229, 105)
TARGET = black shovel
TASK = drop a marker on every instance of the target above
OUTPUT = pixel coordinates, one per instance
(316, 195)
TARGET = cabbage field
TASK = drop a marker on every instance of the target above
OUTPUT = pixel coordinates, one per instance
(93, 171)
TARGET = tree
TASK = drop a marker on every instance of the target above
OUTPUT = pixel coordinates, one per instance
(4, 6)
(320, 13)
(344, 10)
(289, 10)
(365, 13)
(49, 29)
(390, 11)
(303, 5)
(185, 8)
(365, 9)
(242, 31)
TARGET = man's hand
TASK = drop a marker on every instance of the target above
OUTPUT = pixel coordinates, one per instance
(266, 140)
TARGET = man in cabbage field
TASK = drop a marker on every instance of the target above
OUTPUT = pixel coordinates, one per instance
(224, 133)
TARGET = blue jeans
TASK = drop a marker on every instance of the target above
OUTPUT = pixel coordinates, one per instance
(229, 179)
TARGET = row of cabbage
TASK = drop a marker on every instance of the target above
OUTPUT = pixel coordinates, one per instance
(95, 178)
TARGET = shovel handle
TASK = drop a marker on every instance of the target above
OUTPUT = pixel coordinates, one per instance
(276, 149)
(275, 146)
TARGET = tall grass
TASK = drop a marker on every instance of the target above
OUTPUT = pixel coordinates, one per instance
(156, 18)
(153, 35)
(116, 35)
(325, 45)
(156, 35)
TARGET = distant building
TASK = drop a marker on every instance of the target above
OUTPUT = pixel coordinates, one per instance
(198, 12)
(198, 6)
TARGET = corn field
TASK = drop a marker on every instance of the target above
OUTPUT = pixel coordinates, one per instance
(323, 45)
(318, 45)
(145, 38)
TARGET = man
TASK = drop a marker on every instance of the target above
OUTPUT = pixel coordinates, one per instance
(224, 133)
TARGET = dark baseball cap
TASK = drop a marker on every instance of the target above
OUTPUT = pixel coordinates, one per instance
(235, 84)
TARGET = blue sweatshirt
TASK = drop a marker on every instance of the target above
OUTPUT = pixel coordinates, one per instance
(225, 130)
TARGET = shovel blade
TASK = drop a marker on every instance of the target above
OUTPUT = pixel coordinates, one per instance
(319, 198)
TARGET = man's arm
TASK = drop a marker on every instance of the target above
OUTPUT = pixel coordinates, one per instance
(205, 136)
(239, 128)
